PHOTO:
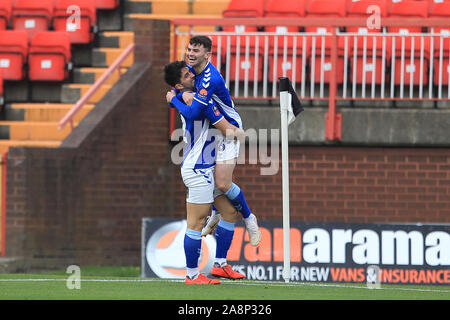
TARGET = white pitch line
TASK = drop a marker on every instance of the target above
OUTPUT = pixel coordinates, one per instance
(278, 284)
(90, 280)
(234, 282)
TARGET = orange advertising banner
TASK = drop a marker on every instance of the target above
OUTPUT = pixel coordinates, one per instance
(320, 252)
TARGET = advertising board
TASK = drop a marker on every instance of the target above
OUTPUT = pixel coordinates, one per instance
(320, 252)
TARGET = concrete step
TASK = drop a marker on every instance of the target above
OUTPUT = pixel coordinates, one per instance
(110, 19)
(72, 92)
(115, 39)
(137, 6)
(6, 144)
(25, 91)
(90, 75)
(82, 55)
(104, 57)
(36, 112)
(32, 130)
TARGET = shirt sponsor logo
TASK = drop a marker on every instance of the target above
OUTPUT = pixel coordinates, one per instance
(202, 93)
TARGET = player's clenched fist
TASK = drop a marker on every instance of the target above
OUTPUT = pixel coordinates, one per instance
(170, 95)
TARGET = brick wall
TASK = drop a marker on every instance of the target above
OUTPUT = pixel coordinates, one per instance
(364, 185)
(354, 184)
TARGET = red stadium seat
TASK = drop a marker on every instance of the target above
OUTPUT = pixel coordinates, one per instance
(5, 13)
(409, 69)
(80, 27)
(409, 9)
(107, 4)
(440, 10)
(286, 67)
(233, 39)
(241, 29)
(325, 8)
(360, 9)
(322, 9)
(368, 68)
(445, 71)
(32, 16)
(13, 54)
(336, 8)
(246, 66)
(49, 56)
(284, 8)
(245, 43)
(327, 67)
(243, 9)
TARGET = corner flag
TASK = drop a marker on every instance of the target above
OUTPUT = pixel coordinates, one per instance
(294, 106)
(290, 107)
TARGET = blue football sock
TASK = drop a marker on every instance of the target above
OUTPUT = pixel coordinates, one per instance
(237, 199)
(224, 236)
(192, 247)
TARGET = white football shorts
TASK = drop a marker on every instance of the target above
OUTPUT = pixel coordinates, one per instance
(227, 149)
(200, 184)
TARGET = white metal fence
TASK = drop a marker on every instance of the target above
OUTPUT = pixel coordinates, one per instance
(370, 65)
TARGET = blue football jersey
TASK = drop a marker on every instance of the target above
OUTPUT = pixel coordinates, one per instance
(199, 151)
(210, 85)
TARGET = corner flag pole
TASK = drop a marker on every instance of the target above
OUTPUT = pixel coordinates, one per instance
(285, 101)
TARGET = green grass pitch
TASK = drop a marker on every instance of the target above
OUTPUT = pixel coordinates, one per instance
(121, 284)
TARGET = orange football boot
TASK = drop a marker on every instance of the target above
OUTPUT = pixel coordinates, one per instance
(226, 272)
(201, 279)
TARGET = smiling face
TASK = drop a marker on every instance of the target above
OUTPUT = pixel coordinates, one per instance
(197, 56)
(187, 80)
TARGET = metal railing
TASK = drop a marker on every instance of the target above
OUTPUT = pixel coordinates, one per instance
(68, 118)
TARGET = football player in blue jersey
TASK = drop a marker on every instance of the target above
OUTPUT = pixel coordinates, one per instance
(197, 171)
(210, 86)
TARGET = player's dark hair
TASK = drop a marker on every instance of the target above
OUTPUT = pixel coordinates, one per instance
(202, 40)
(172, 72)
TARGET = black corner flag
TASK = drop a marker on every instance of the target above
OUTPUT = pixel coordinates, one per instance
(295, 107)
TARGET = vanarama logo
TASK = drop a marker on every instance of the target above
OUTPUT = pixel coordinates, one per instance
(319, 252)
(344, 246)
(165, 251)
(322, 252)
